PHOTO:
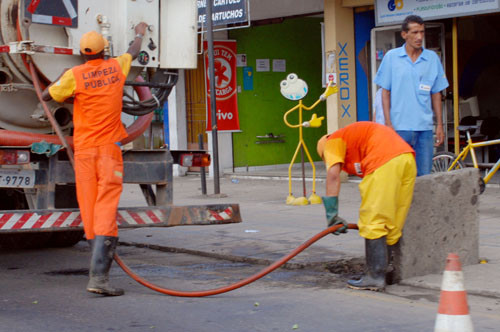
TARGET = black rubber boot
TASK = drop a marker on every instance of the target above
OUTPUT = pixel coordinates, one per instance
(103, 250)
(376, 262)
(391, 277)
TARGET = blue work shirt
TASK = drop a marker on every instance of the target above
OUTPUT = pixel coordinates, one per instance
(411, 85)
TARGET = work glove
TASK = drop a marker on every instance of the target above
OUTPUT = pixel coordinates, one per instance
(331, 204)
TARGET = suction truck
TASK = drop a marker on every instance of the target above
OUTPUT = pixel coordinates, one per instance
(38, 40)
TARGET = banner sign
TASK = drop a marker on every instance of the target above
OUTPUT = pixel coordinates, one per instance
(225, 86)
(223, 12)
(395, 11)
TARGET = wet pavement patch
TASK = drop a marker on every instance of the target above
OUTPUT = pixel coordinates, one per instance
(346, 267)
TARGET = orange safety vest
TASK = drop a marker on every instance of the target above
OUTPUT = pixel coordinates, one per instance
(362, 147)
(98, 103)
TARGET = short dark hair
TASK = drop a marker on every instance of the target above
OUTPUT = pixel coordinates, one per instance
(88, 57)
(411, 19)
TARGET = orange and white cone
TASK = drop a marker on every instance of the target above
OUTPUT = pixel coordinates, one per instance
(453, 313)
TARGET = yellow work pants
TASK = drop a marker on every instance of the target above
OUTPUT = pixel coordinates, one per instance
(386, 196)
(99, 178)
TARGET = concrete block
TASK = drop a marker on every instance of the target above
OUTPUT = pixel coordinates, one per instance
(443, 218)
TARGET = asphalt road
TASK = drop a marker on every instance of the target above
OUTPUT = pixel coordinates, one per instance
(44, 290)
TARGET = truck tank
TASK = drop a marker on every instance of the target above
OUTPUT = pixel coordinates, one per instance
(40, 31)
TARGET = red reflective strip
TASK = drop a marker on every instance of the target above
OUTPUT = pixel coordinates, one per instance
(153, 217)
(33, 5)
(77, 221)
(22, 221)
(41, 221)
(215, 215)
(6, 217)
(61, 20)
(59, 50)
(62, 218)
(4, 49)
(136, 217)
(453, 303)
(453, 263)
(120, 219)
(229, 212)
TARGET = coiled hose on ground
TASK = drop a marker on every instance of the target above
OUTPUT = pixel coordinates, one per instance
(238, 284)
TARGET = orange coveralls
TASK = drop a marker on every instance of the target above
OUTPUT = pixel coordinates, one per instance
(386, 163)
(97, 88)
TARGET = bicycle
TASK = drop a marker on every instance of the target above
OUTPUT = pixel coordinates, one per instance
(447, 161)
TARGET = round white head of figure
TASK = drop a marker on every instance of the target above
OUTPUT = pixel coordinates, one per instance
(293, 87)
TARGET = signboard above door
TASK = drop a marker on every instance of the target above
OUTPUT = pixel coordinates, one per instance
(223, 12)
(394, 11)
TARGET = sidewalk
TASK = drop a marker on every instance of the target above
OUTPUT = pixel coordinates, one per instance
(271, 229)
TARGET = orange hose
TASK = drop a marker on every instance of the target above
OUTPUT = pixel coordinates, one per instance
(18, 138)
(238, 284)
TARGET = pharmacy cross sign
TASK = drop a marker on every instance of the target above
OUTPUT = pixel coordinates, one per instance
(225, 86)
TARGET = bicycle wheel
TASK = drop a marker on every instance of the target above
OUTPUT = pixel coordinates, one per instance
(442, 161)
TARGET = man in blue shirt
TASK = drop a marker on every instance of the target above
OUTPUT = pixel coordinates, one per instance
(412, 79)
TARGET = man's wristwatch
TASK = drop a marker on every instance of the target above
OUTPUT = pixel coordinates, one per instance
(139, 35)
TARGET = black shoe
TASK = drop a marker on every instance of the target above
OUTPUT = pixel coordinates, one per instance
(103, 250)
(376, 262)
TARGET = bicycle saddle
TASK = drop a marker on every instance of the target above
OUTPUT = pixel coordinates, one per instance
(467, 128)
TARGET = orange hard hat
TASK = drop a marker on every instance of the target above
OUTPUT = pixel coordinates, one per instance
(92, 42)
(320, 147)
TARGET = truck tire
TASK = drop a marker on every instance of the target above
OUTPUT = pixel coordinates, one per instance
(15, 199)
(65, 198)
(16, 241)
(65, 238)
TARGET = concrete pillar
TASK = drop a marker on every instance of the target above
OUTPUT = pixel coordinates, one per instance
(339, 42)
(443, 218)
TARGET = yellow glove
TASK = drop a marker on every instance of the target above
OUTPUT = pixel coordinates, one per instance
(315, 122)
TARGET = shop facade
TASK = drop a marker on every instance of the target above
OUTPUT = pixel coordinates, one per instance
(348, 39)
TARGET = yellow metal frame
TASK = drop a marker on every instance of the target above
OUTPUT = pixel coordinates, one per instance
(314, 122)
(470, 148)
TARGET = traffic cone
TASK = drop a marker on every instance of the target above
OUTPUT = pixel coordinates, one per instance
(453, 313)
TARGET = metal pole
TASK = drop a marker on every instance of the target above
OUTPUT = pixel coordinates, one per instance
(213, 104)
(202, 169)
(303, 169)
(454, 37)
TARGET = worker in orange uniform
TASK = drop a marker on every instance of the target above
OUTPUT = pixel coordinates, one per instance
(97, 88)
(387, 165)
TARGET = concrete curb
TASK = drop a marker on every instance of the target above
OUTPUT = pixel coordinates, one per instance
(432, 286)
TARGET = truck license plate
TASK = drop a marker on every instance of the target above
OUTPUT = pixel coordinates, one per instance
(13, 178)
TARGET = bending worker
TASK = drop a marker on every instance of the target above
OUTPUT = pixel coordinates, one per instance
(97, 88)
(387, 165)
